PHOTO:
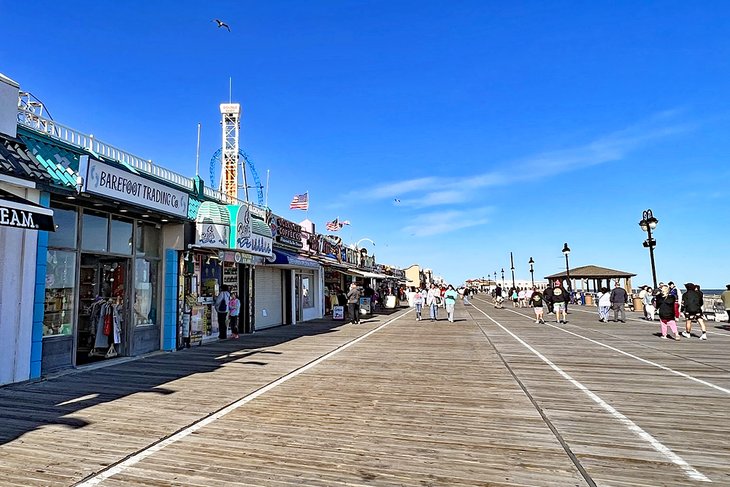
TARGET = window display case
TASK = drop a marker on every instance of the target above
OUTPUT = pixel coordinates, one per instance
(59, 302)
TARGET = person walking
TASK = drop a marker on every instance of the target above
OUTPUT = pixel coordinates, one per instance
(433, 299)
(234, 310)
(221, 309)
(692, 307)
(450, 297)
(665, 305)
(515, 297)
(536, 301)
(559, 299)
(353, 303)
(467, 293)
(498, 298)
(725, 298)
(648, 301)
(418, 303)
(604, 304)
(674, 291)
(521, 298)
(547, 296)
(619, 297)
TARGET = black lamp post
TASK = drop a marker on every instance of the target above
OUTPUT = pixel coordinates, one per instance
(512, 266)
(502, 276)
(495, 278)
(649, 223)
(532, 271)
(566, 251)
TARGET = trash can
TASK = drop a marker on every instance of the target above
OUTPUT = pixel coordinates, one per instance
(589, 299)
(638, 305)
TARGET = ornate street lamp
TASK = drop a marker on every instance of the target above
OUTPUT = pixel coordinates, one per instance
(502, 276)
(532, 271)
(649, 223)
(566, 251)
(512, 266)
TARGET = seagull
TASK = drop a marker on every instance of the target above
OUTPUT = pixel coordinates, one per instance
(397, 200)
(222, 24)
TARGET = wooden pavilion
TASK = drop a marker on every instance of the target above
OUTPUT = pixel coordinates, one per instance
(595, 275)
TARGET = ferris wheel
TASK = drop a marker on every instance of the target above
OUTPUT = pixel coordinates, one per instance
(246, 165)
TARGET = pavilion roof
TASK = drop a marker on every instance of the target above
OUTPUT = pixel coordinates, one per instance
(591, 272)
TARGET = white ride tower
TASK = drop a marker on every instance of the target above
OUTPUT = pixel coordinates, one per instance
(231, 123)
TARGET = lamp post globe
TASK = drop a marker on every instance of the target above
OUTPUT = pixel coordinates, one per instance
(566, 252)
(648, 223)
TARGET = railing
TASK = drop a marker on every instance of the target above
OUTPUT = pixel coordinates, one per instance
(66, 134)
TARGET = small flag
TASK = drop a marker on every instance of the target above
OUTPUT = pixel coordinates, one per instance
(300, 202)
(334, 225)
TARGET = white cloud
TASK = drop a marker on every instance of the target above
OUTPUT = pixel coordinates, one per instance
(449, 221)
(433, 191)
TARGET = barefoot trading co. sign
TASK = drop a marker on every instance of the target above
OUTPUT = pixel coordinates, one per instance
(121, 185)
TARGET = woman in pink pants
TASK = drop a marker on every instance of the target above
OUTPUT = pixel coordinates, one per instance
(665, 305)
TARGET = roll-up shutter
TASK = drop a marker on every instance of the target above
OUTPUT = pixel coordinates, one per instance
(268, 297)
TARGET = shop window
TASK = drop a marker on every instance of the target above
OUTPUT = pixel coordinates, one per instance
(307, 292)
(58, 313)
(148, 240)
(145, 292)
(121, 236)
(66, 227)
(94, 232)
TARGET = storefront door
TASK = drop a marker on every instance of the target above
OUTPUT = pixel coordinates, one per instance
(102, 331)
(298, 297)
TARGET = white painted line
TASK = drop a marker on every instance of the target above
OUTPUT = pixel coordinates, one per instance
(633, 427)
(151, 450)
(648, 362)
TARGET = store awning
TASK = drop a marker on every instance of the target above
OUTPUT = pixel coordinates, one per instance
(281, 258)
(372, 275)
(18, 212)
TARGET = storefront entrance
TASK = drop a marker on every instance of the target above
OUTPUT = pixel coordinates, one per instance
(102, 330)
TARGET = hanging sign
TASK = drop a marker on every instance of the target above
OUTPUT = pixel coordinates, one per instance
(20, 213)
(118, 184)
(252, 234)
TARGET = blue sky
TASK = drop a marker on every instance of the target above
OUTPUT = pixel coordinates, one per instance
(498, 126)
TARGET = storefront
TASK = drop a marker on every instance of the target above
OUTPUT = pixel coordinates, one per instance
(20, 222)
(103, 282)
(223, 249)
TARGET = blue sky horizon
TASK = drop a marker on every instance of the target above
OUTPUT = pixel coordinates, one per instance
(448, 134)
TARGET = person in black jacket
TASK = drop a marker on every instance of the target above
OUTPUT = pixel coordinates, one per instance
(559, 299)
(692, 307)
(619, 297)
(665, 307)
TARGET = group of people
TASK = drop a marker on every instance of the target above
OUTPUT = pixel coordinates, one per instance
(669, 303)
(435, 298)
(228, 308)
(555, 297)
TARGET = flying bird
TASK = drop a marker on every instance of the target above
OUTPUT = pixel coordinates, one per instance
(222, 24)
(397, 200)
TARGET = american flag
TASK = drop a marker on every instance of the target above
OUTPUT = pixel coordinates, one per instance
(300, 202)
(334, 225)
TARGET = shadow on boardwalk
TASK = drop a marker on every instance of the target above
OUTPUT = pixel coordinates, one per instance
(28, 406)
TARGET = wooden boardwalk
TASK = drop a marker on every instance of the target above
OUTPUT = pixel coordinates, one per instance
(491, 400)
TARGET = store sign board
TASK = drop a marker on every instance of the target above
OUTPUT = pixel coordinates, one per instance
(286, 232)
(256, 244)
(117, 184)
(211, 235)
(248, 241)
(243, 223)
